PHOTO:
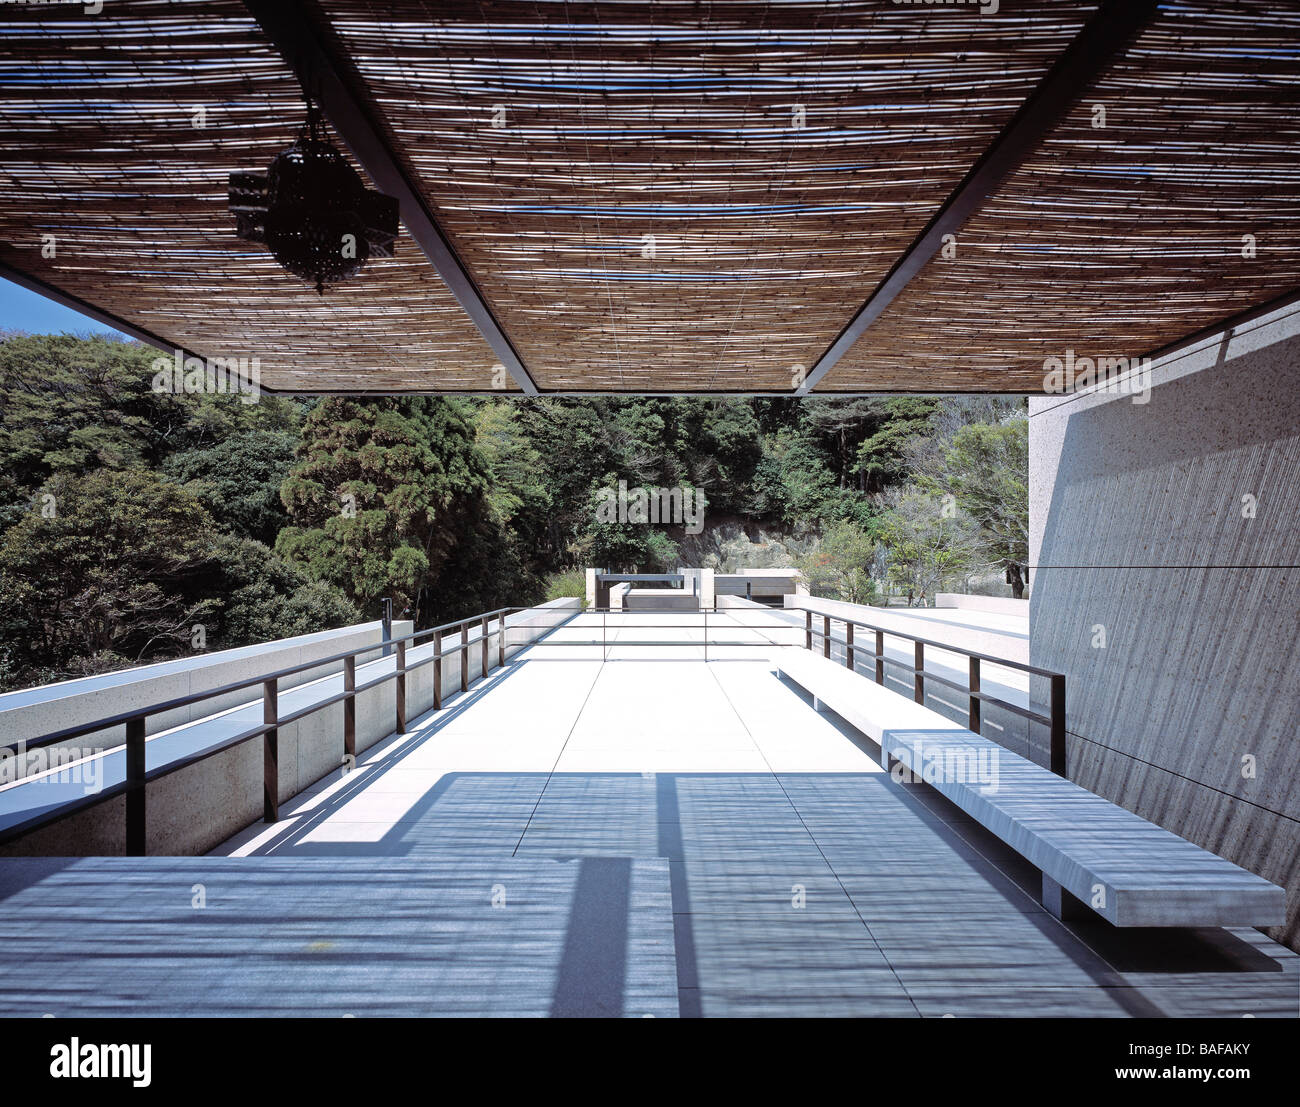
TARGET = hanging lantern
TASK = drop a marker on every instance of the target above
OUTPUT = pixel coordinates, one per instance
(313, 212)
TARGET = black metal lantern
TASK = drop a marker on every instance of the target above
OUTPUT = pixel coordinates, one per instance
(313, 211)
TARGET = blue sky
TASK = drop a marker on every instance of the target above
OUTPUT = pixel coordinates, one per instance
(21, 310)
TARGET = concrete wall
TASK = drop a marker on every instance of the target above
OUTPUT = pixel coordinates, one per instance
(997, 605)
(763, 583)
(1172, 528)
(195, 808)
(30, 713)
(659, 599)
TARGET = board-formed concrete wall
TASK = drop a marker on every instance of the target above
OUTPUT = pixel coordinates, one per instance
(1164, 542)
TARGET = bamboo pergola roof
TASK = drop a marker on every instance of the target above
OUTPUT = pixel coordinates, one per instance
(666, 196)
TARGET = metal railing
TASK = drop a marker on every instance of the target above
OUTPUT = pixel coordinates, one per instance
(138, 775)
(1054, 720)
(703, 642)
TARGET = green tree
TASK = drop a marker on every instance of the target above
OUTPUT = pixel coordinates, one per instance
(72, 405)
(840, 566)
(259, 597)
(882, 455)
(988, 468)
(102, 573)
(239, 479)
(380, 496)
(623, 547)
(928, 541)
(837, 427)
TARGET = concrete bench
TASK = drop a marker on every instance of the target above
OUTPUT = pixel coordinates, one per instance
(1091, 852)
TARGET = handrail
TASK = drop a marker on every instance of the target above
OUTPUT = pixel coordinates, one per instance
(234, 686)
(137, 775)
(1054, 719)
(1007, 662)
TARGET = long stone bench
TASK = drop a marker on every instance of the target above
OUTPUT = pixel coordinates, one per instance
(1092, 853)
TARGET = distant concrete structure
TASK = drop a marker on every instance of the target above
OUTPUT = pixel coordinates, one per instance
(767, 586)
(688, 588)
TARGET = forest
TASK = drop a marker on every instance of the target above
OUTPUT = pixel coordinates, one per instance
(138, 525)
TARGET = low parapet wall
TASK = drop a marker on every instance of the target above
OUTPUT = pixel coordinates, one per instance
(201, 805)
(996, 605)
(32, 712)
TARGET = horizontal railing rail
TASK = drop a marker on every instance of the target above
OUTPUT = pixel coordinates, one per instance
(1053, 719)
(138, 775)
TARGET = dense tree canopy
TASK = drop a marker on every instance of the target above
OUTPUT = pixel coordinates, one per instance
(381, 494)
(128, 517)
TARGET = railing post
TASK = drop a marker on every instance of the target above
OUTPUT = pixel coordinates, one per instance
(271, 751)
(437, 671)
(826, 636)
(386, 607)
(973, 723)
(401, 688)
(483, 641)
(464, 657)
(1058, 724)
(919, 680)
(135, 796)
(807, 632)
(501, 639)
(880, 657)
(848, 647)
(350, 709)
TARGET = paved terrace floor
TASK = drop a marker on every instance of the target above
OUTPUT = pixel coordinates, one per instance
(632, 831)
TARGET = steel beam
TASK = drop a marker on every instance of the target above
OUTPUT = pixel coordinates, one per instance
(1105, 36)
(291, 27)
(68, 300)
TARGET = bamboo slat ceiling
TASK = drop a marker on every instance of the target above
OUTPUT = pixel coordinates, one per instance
(99, 148)
(1116, 240)
(780, 157)
(676, 120)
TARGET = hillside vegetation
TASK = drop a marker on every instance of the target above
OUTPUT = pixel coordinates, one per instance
(137, 525)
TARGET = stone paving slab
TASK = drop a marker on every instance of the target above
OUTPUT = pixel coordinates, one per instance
(336, 936)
